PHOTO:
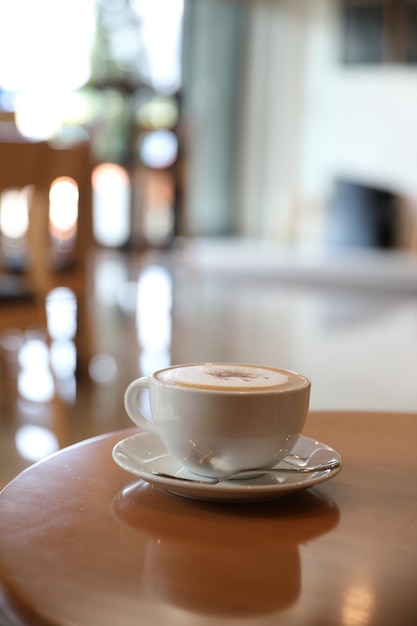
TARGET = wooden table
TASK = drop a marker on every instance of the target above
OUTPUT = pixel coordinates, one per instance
(83, 543)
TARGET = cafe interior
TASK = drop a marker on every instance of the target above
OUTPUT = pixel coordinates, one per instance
(191, 181)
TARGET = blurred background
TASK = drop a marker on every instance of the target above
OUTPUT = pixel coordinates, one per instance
(240, 117)
(174, 172)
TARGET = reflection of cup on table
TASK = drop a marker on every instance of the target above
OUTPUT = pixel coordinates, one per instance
(219, 418)
(215, 559)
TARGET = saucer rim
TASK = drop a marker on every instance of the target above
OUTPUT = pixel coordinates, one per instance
(225, 491)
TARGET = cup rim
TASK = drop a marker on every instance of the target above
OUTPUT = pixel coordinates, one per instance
(304, 381)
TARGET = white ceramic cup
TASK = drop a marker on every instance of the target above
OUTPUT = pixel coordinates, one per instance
(219, 418)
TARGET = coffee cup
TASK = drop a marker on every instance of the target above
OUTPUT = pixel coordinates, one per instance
(219, 418)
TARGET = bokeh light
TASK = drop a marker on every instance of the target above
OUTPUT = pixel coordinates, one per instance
(158, 148)
(153, 318)
(63, 207)
(45, 42)
(33, 442)
(35, 381)
(61, 311)
(14, 213)
(161, 34)
(111, 204)
(103, 369)
(160, 112)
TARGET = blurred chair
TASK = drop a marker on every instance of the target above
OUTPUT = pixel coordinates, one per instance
(45, 256)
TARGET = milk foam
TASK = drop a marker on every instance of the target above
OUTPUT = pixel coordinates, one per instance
(231, 377)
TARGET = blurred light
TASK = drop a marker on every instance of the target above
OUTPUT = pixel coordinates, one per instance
(63, 208)
(77, 112)
(36, 385)
(158, 148)
(110, 275)
(358, 605)
(158, 209)
(161, 37)
(31, 410)
(34, 354)
(103, 369)
(14, 226)
(61, 312)
(158, 223)
(158, 113)
(35, 443)
(63, 356)
(126, 297)
(7, 101)
(66, 389)
(46, 43)
(14, 212)
(35, 381)
(38, 50)
(153, 312)
(151, 361)
(111, 204)
(39, 114)
(11, 340)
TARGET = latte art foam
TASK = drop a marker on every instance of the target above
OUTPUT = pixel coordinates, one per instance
(230, 377)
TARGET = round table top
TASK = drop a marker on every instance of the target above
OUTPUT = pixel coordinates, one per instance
(84, 543)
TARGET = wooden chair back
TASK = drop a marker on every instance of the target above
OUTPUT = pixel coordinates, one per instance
(23, 291)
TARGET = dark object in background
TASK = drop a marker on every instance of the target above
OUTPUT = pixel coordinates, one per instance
(362, 32)
(361, 216)
(378, 31)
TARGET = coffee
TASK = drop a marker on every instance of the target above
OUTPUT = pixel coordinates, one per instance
(229, 377)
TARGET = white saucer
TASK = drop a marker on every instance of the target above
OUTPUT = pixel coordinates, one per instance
(142, 453)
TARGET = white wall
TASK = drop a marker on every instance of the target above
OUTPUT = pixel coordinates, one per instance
(272, 109)
(358, 120)
(303, 118)
(323, 119)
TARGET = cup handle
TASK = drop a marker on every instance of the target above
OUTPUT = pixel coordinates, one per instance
(132, 408)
